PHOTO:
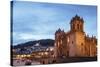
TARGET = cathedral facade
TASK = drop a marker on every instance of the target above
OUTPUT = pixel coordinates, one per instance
(75, 42)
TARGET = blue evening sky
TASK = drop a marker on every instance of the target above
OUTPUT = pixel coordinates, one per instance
(34, 20)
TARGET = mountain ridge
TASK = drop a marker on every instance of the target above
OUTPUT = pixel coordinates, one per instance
(42, 42)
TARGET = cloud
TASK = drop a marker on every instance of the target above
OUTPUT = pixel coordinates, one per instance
(33, 20)
(24, 37)
(35, 37)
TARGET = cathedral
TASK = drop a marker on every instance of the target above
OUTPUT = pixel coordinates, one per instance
(75, 42)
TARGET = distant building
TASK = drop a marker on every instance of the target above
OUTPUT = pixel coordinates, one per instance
(35, 51)
(75, 43)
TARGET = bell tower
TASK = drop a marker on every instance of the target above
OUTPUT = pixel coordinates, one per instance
(77, 23)
(78, 40)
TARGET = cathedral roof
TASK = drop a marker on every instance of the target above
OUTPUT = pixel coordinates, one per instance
(59, 31)
(76, 17)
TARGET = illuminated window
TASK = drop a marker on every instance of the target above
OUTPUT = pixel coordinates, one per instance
(58, 44)
(61, 41)
(68, 39)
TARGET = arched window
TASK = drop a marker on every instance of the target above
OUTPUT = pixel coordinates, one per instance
(81, 44)
(82, 48)
(72, 42)
(81, 26)
(78, 26)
